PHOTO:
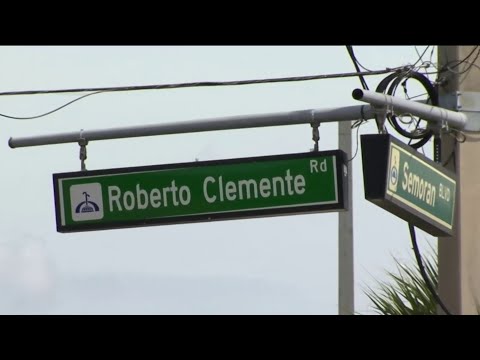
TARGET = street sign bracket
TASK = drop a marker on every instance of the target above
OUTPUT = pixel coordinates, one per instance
(381, 117)
(83, 151)
(315, 135)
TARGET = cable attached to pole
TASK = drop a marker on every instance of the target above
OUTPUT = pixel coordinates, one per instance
(425, 277)
(389, 85)
(356, 64)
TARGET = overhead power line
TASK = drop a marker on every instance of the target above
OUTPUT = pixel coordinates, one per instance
(203, 83)
(51, 111)
(357, 64)
(94, 91)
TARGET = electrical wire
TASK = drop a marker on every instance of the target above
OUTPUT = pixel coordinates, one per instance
(447, 67)
(361, 121)
(389, 85)
(94, 91)
(356, 64)
(356, 59)
(49, 112)
(420, 57)
(205, 83)
(471, 64)
(461, 61)
(409, 72)
(425, 277)
(425, 64)
(431, 54)
(356, 146)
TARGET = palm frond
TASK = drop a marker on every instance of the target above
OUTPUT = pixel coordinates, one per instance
(405, 292)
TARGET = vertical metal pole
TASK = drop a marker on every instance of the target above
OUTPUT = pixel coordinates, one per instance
(459, 255)
(346, 303)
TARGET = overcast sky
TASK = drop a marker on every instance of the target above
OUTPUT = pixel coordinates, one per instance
(279, 265)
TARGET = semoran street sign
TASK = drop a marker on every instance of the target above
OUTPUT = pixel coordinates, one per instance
(200, 191)
(408, 184)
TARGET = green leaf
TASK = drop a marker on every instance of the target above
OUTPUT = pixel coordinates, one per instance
(405, 292)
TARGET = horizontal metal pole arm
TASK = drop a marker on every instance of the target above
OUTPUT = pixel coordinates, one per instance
(348, 113)
(427, 112)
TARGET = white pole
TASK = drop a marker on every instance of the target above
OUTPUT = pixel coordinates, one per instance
(427, 112)
(224, 123)
(346, 303)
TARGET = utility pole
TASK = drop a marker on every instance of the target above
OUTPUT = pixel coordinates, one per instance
(346, 303)
(459, 255)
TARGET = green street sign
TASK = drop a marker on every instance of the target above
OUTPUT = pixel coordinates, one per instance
(408, 184)
(200, 191)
